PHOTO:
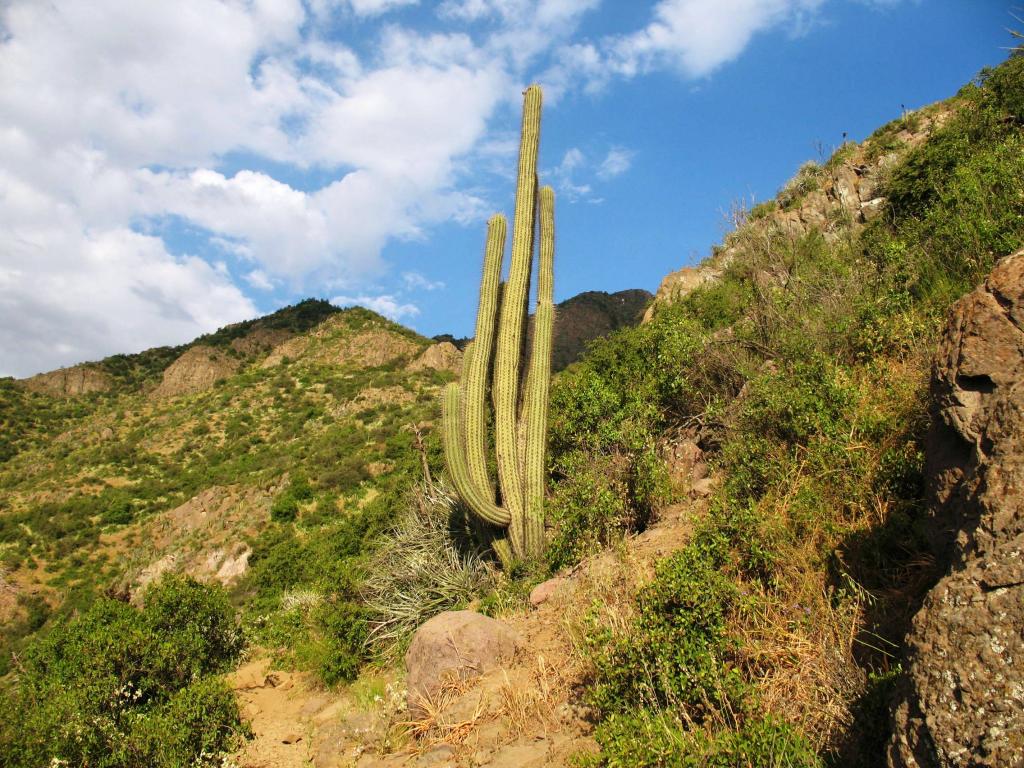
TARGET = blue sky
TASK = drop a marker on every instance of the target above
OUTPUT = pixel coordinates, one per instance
(166, 168)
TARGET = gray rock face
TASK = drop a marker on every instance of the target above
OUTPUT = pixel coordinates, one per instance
(962, 703)
(455, 645)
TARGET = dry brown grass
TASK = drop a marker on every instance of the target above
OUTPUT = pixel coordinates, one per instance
(531, 698)
(439, 724)
(603, 594)
(797, 650)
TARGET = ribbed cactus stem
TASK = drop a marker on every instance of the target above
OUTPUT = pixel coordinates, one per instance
(510, 332)
(537, 386)
(520, 416)
(479, 362)
(479, 502)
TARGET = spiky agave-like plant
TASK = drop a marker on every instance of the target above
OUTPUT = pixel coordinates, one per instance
(520, 413)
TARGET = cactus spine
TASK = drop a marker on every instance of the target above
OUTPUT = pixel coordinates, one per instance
(520, 418)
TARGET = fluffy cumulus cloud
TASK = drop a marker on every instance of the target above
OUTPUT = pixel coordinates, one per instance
(121, 123)
(615, 163)
(690, 37)
(117, 116)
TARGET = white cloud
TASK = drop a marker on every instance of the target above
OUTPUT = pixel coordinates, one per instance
(566, 175)
(571, 160)
(116, 117)
(377, 7)
(615, 163)
(466, 10)
(416, 281)
(258, 279)
(66, 297)
(386, 305)
(698, 36)
(691, 37)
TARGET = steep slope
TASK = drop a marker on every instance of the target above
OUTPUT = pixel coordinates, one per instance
(592, 315)
(797, 359)
(754, 455)
(738, 525)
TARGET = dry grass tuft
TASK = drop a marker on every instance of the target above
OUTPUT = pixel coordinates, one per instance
(441, 723)
(532, 697)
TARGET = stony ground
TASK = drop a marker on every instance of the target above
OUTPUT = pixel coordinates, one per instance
(528, 713)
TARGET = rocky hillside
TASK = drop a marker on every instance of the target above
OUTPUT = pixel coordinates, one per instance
(177, 460)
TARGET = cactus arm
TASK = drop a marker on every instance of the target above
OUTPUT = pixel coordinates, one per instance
(477, 364)
(510, 333)
(539, 379)
(455, 457)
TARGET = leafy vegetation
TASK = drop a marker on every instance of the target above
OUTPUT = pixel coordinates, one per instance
(808, 388)
(316, 454)
(120, 686)
(801, 372)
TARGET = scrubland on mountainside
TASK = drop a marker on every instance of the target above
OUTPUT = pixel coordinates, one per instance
(739, 528)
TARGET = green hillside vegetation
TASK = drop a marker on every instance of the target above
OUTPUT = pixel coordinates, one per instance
(127, 686)
(810, 388)
(322, 453)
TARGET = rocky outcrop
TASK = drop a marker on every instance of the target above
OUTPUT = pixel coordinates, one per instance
(591, 315)
(443, 356)
(197, 370)
(69, 382)
(962, 700)
(843, 193)
(204, 537)
(454, 646)
(335, 342)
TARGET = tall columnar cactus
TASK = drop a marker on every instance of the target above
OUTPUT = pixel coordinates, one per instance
(520, 417)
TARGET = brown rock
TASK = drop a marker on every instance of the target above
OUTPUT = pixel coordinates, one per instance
(330, 746)
(543, 591)
(313, 706)
(443, 356)
(962, 701)
(703, 487)
(197, 370)
(454, 645)
(69, 382)
(249, 677)
(872, 209)
(519, 756)
(260, 340)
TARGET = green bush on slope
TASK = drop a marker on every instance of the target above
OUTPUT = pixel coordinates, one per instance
(810, 391)
(120, 686)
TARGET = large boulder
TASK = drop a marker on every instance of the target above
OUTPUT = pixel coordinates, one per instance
(962, 699)
(455, 645)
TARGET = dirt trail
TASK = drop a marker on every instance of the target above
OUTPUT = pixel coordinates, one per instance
(527, 715)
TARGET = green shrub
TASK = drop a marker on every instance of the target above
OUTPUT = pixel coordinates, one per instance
(345, 629)
(655, 740)
(588, 509)
(677, 651)
(121, 686)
